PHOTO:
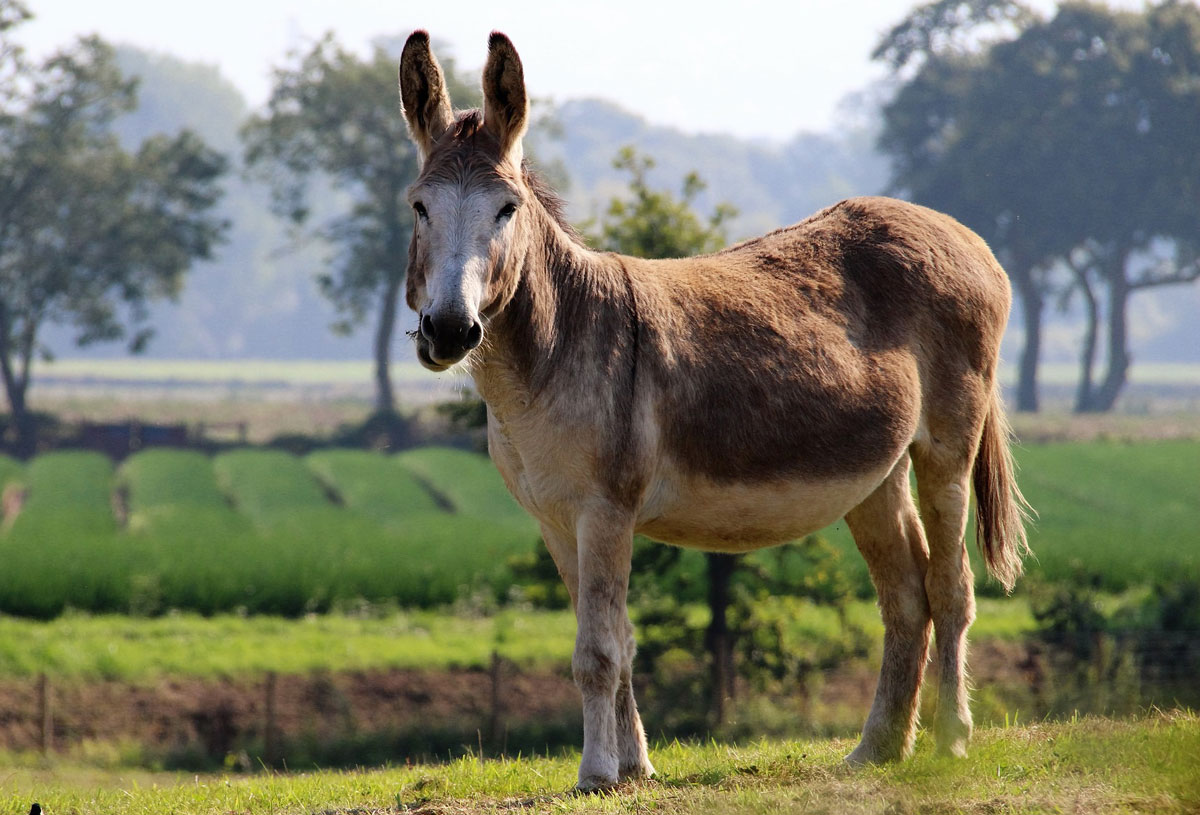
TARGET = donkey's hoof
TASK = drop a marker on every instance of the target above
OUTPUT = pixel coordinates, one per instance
(595, 783)
(953, 748)
(865, 755)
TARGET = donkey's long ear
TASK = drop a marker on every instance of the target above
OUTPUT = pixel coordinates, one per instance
(505, 104)
(423, 93)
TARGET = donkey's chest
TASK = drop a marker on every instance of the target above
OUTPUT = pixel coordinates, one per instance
(542, 468)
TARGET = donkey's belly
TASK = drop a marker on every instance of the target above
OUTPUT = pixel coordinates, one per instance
(734, 517)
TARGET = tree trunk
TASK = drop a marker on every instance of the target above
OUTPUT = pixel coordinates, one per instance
(21, 433)
(1087, 355)
(1031, 313)
(718, 637)
(1105, 395)
(385, 400)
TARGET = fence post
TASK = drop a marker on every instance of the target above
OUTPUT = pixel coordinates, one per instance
(270, 736)
(494, 718)
(45, 714)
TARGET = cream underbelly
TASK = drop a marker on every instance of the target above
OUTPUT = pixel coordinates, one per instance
(730, 517)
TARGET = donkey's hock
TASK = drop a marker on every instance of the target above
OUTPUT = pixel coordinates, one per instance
(725, 402)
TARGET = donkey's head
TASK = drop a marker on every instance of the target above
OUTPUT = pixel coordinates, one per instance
(468, 199)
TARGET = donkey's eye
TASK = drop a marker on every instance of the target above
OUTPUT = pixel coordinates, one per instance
(419, 208)
(506, 211)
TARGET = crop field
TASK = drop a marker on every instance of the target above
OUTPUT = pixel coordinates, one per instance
(260, 531)
(268, 532)
(1088, 766)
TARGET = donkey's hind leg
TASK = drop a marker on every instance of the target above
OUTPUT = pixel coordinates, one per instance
(943, 467)
(888, 533)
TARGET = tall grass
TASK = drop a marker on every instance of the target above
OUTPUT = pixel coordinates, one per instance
(61, 545)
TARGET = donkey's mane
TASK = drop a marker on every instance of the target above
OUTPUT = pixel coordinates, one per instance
(468, 135)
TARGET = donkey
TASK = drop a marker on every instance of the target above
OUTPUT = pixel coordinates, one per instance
(724, 402)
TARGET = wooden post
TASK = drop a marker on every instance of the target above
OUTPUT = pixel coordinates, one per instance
(270, 736)
(45, 714)
(494, 719)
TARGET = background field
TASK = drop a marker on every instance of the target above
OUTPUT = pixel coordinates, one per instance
(265, 531)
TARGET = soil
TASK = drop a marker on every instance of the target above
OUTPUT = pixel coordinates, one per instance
(217, 718)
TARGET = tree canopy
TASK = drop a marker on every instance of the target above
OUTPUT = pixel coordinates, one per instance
(89, 233)
(654, 223)
(333, 121)
(1066, 145)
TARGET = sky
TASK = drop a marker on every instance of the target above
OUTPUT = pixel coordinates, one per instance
(763, 70)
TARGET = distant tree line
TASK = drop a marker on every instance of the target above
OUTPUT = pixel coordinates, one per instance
(1069, 143)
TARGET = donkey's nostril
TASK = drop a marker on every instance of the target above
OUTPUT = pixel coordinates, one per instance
(474, 335)
(427, 327)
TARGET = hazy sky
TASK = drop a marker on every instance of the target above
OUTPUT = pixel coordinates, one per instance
(755, 69)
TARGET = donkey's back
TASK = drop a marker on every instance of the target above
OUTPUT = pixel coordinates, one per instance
(823, 350)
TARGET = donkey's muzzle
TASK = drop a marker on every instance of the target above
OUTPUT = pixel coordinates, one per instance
(450, 336)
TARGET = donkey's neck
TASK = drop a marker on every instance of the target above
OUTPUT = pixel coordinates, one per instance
(570, 306)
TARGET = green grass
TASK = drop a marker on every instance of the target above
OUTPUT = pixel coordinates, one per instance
(1114, 513)
(1092, 765)
(469, 482)
(69, 485)
(372, 484)
(269, 486)
(259, 530)
(272, 533)
(170, 478)
(89, 647)
(113, 647)
(11, 471)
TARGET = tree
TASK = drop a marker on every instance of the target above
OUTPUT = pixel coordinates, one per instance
(333, 120)
(934, 131)
(89, 233)
(1067, 147)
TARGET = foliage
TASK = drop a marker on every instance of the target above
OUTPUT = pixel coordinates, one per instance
(655, 224)
(1066, 146)
(89, 233)
(333, 120)
(767, 594)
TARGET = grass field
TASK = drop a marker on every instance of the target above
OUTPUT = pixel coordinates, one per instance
(258, 530)
(118, 647)
(1146, 765)
(91, 647)
(269, 532)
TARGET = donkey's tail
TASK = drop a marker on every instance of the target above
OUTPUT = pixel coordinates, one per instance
(1001, 511)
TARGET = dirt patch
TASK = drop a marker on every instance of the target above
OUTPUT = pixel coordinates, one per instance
(217, 717)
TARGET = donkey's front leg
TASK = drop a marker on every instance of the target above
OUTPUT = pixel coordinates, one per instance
(603, 645)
